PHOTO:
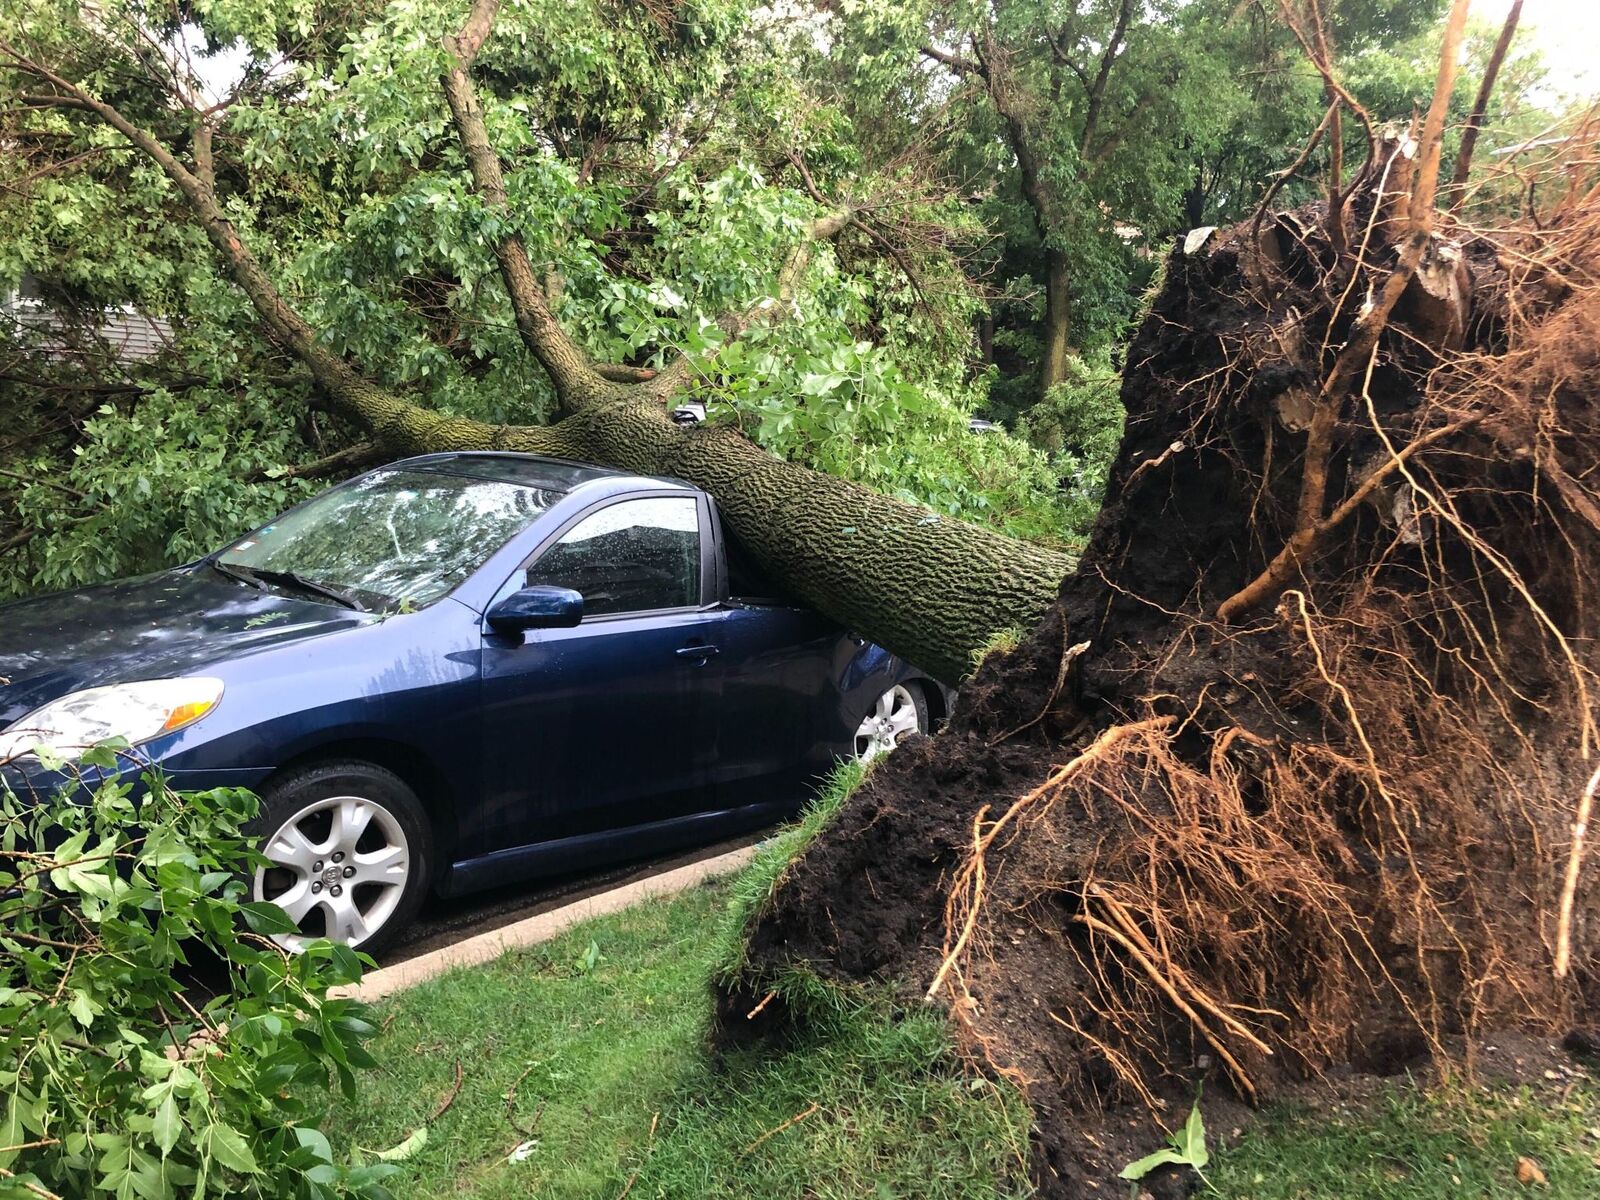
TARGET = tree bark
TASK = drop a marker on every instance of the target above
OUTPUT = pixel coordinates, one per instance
(1057, 320)
(576, 382)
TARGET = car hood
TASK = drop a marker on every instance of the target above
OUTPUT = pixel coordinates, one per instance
(174, 623)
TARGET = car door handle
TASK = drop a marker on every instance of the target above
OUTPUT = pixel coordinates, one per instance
(700, 652)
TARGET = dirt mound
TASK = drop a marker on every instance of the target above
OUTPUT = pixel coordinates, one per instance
(1332, 824)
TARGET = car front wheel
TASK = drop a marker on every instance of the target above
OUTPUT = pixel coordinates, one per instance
(898, 713)
(348, 849)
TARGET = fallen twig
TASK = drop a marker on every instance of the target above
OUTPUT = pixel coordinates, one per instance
(444, 1105)
(511, 1103)
(777, 1129)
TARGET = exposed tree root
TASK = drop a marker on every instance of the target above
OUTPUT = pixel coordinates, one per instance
(1337, 827)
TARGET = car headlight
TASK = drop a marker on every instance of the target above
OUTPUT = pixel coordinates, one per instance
(135, 712)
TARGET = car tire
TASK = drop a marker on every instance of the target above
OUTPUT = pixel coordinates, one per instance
(900, 711)
(351, 850)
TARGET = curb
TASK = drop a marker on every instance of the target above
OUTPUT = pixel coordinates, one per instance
(530, 931)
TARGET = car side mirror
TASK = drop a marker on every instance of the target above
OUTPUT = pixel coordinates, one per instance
(539, 607)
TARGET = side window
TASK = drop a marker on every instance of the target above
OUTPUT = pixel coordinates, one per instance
(633, 556)
(745, 581)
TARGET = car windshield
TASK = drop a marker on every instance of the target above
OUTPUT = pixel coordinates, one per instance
(395, 537)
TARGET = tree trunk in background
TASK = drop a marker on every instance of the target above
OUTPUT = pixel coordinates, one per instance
(1194, 200)
(1057, 331)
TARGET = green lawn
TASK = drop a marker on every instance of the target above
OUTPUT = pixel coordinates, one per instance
(1415, 1145)
(586, 1072)
(601, 1036)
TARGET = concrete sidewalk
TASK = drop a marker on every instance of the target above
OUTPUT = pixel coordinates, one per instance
(486, 947)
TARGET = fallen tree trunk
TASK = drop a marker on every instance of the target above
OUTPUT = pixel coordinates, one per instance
(930, 588)
(1276, 785)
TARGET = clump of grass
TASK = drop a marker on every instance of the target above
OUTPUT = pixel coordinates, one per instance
(585, 1073)
(753, 887)
(1415, 1145)
(1001, 641)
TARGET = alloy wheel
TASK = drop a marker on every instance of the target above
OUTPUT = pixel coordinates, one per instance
(893, 717)
(338, 868)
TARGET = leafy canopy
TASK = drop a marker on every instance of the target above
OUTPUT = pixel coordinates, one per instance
(661, 166)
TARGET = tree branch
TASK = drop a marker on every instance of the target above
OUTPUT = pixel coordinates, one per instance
(1108, 59)
(1469, 135)
(1028, 165)
(205, 163)
(34, 480)
(676, 374)
(956, 62)
(358, 455)
(1335, 218)
(1329, 79)
(575, 380)
(622, 373)
(394, 421)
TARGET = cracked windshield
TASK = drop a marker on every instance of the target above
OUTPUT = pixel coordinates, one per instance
(393, 538)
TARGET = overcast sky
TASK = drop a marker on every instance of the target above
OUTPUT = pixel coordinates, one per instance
(1567, 31)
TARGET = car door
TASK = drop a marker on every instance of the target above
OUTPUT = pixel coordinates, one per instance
(777, 662)
(602, 725)
(779, 672)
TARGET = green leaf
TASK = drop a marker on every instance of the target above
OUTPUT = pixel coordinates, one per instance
(403, 1151)
(12, 1132)
(167, 1125)
(1143, 1167)
(267, 919)
(1187, 1149)
(346, 964)
(314, 1140)
(228, 1147)
(83, 1009)
(1191, 1140)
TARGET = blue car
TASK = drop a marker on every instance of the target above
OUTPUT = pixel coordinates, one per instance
(458, 671)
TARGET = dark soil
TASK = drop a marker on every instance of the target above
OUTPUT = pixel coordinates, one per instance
(1367, 888)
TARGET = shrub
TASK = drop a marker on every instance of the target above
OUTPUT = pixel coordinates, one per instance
(1079, 425)
(117, 1076)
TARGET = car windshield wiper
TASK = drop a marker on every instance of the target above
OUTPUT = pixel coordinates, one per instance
(337, 595)
(237, 573)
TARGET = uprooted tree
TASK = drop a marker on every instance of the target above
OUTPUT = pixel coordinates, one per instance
(1284, 775)
(1288, 776)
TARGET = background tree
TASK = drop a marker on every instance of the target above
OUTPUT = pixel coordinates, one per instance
(1097, 111)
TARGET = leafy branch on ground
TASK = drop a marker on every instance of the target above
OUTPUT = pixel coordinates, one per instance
(116, 1077)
